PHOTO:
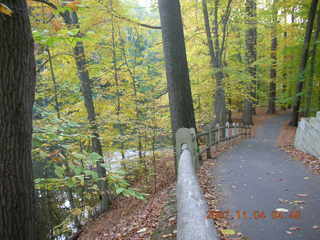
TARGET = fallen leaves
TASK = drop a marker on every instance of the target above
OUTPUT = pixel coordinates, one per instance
(228, 231)
(282, 210)
(167, 235)
(294, 228)
(288, 232)
(286, 143)
(142, 230)
(302, 195)
(131, 219)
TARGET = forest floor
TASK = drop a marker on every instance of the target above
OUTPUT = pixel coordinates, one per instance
(132, 219)
(266, 193)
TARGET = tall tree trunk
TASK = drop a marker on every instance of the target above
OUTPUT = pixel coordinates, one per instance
(117, 82)
(285, 59)
(17, 86)
(312, 67)
(251, 57)
(132, 73)
(273, 70)
(303, 63)
(180, 97)
(55, 86)
(216, 51)
(71, 19)
(220, 109)
(208, 30)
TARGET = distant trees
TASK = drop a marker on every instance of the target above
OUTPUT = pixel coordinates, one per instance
(251, 58)
(273, 54)
(17, 86)
(217, 47)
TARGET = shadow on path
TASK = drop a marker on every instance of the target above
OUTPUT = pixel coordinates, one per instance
(255, 174)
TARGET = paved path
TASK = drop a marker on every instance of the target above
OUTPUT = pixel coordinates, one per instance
(255, 174)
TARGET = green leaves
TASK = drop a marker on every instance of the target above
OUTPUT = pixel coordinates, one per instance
(46, 38)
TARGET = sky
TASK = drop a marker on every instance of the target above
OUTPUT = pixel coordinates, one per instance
(145, 3)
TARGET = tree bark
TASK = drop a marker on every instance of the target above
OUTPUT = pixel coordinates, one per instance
(303, 63)
(55, 86)
(119, 124)
(251, 57)
(208, 30)
(17, 87)
(180, 97)
(285, 59)
(220, 109)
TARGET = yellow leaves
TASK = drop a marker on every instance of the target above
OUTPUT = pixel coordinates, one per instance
(76, 212)
(73, 5)
(228, 231)
(57, 25)
(5, 10)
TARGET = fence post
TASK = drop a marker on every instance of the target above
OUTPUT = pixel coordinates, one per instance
(227, 131)
(218, 135)
(209, 143)
(233, 130)
(214, 139)
(187, 136)
(241, 129)
(237, 129)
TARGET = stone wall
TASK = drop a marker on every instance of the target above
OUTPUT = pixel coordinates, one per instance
(308, 136)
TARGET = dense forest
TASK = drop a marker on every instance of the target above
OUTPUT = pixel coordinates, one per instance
(92, 91)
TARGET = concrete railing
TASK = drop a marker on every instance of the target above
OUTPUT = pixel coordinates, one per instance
(308, 135)
(192, 209)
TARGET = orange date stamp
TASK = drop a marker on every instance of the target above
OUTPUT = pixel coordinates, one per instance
(255, 215)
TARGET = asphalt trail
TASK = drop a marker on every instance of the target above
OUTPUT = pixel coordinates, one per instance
(255, 174)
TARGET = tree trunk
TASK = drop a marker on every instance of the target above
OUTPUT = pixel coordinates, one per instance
(71, 19)
(303, 63)
(180, 97)
(17, 86)
(273, 70)
(312, 67)
(220, 109)
(55, 86)
(134, 85)
(208, 31)
(119, 124)
(251, 57)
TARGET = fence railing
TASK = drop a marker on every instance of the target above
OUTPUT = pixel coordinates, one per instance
(192, 209)
(221, 134)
